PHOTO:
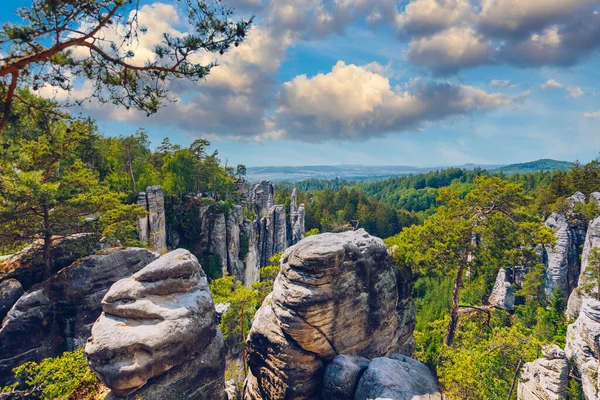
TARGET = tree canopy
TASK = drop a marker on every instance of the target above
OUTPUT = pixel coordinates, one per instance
(57, 42)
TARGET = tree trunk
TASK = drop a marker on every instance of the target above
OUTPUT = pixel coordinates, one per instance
(47, 254)
(449, 339)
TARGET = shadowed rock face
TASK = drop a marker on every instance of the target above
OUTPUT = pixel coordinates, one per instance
(545, 378)
(582, 349)
(157, 336)
(57, 315)
(335, 294)
(10, 291)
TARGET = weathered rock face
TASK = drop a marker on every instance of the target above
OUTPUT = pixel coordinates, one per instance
(156, 218)
(545, 378)
(335, 294)
(342, 376)
(143, 226)
(507, 280)
(592, 239)
(262, 197)
(562, 265)
(27, 266)
(58, 314)
(397, 378)
(583, 338)
(157, 336)
(10, 291)
(503, 293)
(297, 217)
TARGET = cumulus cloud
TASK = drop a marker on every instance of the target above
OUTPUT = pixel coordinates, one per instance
(551, 83)
(594, 114)
(451, 50)
(575, 92)
(523, 17)
(354, 103)
(422, 17)
(499, 83)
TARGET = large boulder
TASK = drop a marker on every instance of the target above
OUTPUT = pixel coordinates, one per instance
(545, 378)
(27, 265)
(342, 376)
(58, 314)
(10, 291)
(157, 336)
(335, 294)
(582, 348)
(397, 378)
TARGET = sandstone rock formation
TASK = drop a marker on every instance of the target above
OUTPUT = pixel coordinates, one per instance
(562, 261)
(507, 281)
(262, 198)
(342, 376)
(335, 294)
(152, 228)
(592, 239)
(27, 265)
(582, 348)
(157, 336)
(297, 217)
(545, 378)
(58, 314)
(503, 293)
(10, 291)
(397, 378)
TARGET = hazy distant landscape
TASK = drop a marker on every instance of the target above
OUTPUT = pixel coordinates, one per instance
(373, 173)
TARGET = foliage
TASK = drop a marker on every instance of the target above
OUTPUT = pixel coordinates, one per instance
(592, 274)
(482, 231)
(57, 378)
(49, 190)
(312, 232)
(41, 49)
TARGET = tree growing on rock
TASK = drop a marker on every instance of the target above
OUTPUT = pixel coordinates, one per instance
(471, 233)
(57, 42)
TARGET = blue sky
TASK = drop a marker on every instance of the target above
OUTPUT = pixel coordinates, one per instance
(384, 82)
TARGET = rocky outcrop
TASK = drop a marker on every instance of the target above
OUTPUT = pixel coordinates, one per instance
(562, 260)
(297, 217)
(143, 226)
(58, 314)
(157, 336)
(507, 281)
(27, 265)
(545, 378)
(262, 198)
(10, 291)
(592, 239)
(397, 378)
(152, 228)
(503, 293)
(335, 294)
(582, 348)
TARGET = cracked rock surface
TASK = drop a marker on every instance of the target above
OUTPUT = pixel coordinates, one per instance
(335, 294)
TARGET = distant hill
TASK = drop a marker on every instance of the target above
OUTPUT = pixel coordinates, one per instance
(533, 166)
(347, 172)
(377, 173)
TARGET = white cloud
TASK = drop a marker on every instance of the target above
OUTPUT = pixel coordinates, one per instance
(594, 114)
(499, 83)
(430, 16)
(355, 103)
(575, 92)
(551, 83)
(451, 50)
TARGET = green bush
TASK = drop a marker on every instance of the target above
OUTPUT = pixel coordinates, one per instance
(62, 377)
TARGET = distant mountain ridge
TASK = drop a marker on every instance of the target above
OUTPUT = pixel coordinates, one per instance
(544, 164)
(371, 173)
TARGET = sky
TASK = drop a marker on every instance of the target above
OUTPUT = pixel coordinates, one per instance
(382, 82)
